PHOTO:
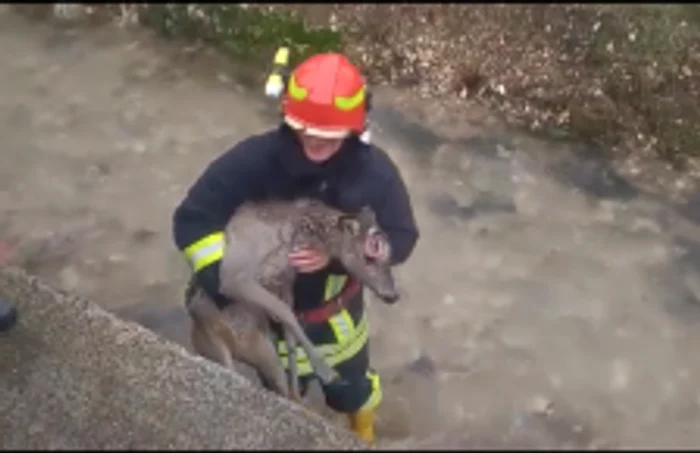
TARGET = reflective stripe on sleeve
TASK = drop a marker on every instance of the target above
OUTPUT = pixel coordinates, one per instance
(205, 251)
(334, 285)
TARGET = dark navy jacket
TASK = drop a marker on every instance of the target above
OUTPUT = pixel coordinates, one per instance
(272, 166)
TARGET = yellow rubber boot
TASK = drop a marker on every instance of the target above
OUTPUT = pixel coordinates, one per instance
(362, 424)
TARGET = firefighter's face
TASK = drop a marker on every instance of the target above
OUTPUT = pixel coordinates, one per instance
(318, 149)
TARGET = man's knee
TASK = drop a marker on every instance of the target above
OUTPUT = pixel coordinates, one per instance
(354, 392)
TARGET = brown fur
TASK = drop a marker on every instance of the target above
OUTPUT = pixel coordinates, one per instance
(256, 274)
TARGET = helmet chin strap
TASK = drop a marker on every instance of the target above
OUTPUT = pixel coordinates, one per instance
(366, 136)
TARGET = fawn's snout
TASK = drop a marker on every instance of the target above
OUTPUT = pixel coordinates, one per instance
(382, 282)
(390, 297)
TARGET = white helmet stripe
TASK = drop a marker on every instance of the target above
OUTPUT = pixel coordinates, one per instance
(321, 133)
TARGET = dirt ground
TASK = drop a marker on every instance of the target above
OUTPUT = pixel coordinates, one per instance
(550, 303)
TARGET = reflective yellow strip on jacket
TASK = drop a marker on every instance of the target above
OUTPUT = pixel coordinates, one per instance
(334, 285)
(343, 326)
(205, 251)
(334, 354)
(342, 323)
(329, 349)
(349, 339)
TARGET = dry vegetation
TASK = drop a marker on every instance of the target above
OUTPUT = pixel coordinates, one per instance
(624, 76)
(627, 76)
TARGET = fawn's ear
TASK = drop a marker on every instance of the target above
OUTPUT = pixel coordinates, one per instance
(349, 224)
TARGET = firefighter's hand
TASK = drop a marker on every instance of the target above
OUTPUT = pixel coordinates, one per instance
(307, 260)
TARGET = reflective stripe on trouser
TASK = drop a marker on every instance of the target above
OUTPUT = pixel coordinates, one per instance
(349, 339)
(205, 251)
(336, 353)
(375, 398)
(347, 354)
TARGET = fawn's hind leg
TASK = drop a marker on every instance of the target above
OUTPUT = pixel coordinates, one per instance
(292, 370)
(209, 346)
(206, 328)
(249, 291)
(262, 355)
(290, 342)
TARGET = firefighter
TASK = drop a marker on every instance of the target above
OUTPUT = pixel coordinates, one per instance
(315, 152)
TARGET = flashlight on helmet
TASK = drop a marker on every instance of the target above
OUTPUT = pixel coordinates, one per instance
(276, 81)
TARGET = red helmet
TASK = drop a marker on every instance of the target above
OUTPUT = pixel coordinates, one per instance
(326, 97)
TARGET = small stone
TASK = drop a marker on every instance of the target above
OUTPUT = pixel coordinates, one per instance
(139, 148)
(448, 299)
(143, 234)
(116, 258)
(555, 380)
(620, 375)
(7, 253)
(223, 78)
(541, 405)
(69, 277)
(422, 365)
